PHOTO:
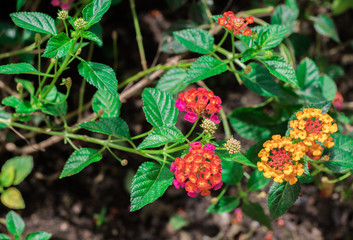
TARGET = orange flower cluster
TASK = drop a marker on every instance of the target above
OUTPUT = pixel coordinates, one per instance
(237, 25)
(279, 159)
(198, 171)
(313, 127)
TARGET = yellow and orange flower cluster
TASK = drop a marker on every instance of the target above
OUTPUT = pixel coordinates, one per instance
(280, 156)
(198, 171)
(237, 25)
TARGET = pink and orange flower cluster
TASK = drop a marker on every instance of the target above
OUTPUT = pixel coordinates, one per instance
(237, 25)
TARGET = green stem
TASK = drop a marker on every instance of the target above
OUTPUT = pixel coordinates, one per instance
(65, 25)
(224, 190)
(192, 129)
(257, 11)
(233, 46)
(341, 178)
(225, 123)
(39, 62)
(208, 12)
(113, 154)
(143, 134)
(222, 41)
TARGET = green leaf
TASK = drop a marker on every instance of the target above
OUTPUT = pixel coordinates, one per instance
(343, 142)
(111, 126)
(328, 87)
(340, 6)
(4, 237)
(7, 176)
(14, 223)
(19, 4)
(161, 136)
(196, 40)
(293, 5)
(12, 198)
(38, 236)
(306, 177)
(260, 81)
(108, 102)
(248, 54)
(3, 115)
(26, 85)
(172, 81)
(284, 15)
(94, 11)
(17, 68)
(178, 222)
(240, 158)
(58, 109)
(34, 21)
(205, 67)
(149, 183)
(324, 25)
(20, 107)
(279, 68)
(307, 72)
(256, 212)
(93, 37)
(232, 172)
(340, 161)
(58, 46)
(225, 204)
(271, 36)
(99, 75)
(281, 197)
(257, 181)
(159, 108)
(80, 159)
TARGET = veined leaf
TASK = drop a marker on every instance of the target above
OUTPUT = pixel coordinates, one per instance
(283, 15)
(172, 81)
(94, 11)
(14, 223)
(324, 25)
(257, 181)
(225, 204)
(108, 102)
(18, 105)
(111, 126)
(256, 212)
(196, 40)
(232, 172)
(58, 46)
(340, 161)
(38, 236)
(93, 37)
(279, 68)
(160, 136)
(17, 68)
(34, 21)
(307, 72)
(271, 36)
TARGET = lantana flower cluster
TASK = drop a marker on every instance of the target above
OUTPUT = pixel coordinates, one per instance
(198, 171)
(199, 103)
(280, 156)
(237, 25)
(64, 4)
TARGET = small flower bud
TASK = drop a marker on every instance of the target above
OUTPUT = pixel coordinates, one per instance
(19, 87)
(63, 14)
(248, 69)
(73, 34)
(325, 180)
(232, 146)
(52, 60)
(214, 200)
(268, 54)
(80, 23)
(37, 39)
(209, 126)
(124, 162)
(254, 35)
(67, 82)
(78, 52)
(100, 112)
(325, 158)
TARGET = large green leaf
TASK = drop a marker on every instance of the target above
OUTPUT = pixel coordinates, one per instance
(325, 25)
(160, 136)
(343, 142)
(108, 102)
(271, 36)
(232, 172)
(38, 236)
(196, 40)
(284, 15)
(111, 126)
(256, 212)
(80, 159)
(172, 81)
(34, 21)
(307, 72)
(99, 75)
(205, 67)
(58, 46)
(159, 107)
(257, 181)
(14, 223)
(149, 183)
(17, 68)
(12, 198)
(225, 204)
(93, 37)
(22, 165)
(340, 161)
(281, 69)
(281, 197)
(94, 11)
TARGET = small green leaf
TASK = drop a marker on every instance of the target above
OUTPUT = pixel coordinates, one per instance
(284, 15)
(293, 5)
(225, 204)
(7, 176)
(14, 223)
(20, 107)
(159, 108)
(340, 6)
(22, 165)
(205, 67)
(26, 85)
(111, 126)
(232, 172)
(196, 40)
(178, 222)
(80, 159)
(328, 87)
(161, 136)
(279, 68)
(108, 102)
(4, 237)
(58, 46)
(93, 37)
(99, 75)
(172, 81)
(257, 181)
(149, 183)
(17, 68)
(256, 212)
(19, 4)
(38, 236)
(324, 25)
(12, 198)
(281, 197)
(94, 11)
(271, 36)
(34, 21)
(307, 72)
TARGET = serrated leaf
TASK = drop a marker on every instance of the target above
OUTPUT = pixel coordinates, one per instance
(271, 36)
(38, 236)
(196, 40)
(20, 107)
(225, 204)
(307, 72)
(34, 21)
(12, 198)
(283, 15)
(99, 75)
(14, 223)
(232, 172)
(343, 142)
(340, 161)
(161, 136)
(281, 197)
(172, 81)
(257, 181)
(111, 126)
(4, 237)
(205, 67)
(17, 68)
(93, 37)
(94, 11)
(279, 68)
(159, 108)
(248, 54)
(260, 81)
(22, 165)
(328, 87)
(80, 159)
(108, 102)
(256, 212)
(149, 183)
(26, 85)
(58, 46)
(324, 25)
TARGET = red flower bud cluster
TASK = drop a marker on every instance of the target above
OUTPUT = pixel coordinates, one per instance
(237, 25)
